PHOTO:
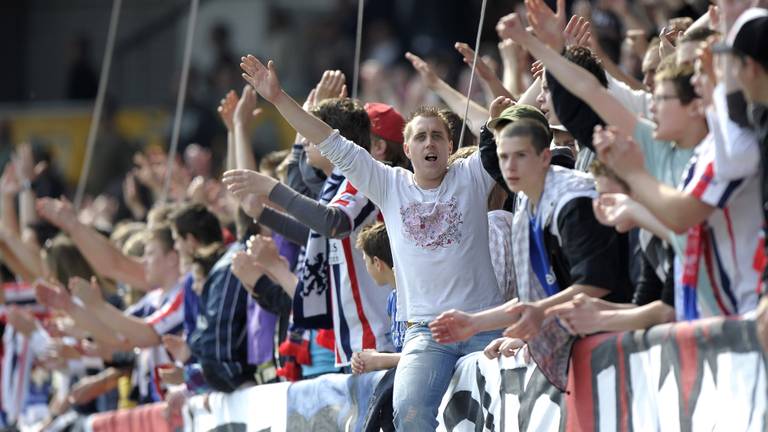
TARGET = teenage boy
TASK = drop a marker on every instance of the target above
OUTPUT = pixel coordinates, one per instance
(666, 147)
(438, 227)
(560, 250)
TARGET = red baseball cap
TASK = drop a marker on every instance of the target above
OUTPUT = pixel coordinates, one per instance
(386, 122)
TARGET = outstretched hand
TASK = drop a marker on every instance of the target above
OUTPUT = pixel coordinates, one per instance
(620, 152)
(511, 27)
(52, 296)
(547, 24)
(577, 32)
(227, 109)
(452, 326)
(242, 182)
(580, 316)
(262, 78)
(245, 109)
(616, 210)
(483, 69)
(247, 269)
(58, 212)
(331, 85)
(503, 346)
(426, 72)
(88, 292)
(499, 105)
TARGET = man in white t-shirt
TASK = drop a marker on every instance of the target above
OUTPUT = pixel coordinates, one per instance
(438, 226)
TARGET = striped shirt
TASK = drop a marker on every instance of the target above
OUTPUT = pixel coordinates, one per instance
(726, 243)
(359, 304)
(221, 334)
(164, 311)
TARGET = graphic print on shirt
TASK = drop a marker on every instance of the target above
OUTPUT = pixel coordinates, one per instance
(315, 273)
(432, 225)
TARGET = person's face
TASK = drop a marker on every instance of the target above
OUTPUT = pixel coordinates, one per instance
(565, 139)
(746, 72)
(374, 267)
(650, 63)
(428, 146)
(521, 167)
(544, 99)
(668, 113)
(157, 263)
(702, 83)
(183, 245)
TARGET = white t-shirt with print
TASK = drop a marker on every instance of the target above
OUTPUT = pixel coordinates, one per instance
(359, 304)
(439, 237)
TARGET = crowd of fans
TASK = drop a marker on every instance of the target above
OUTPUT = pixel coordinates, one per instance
(589, 196)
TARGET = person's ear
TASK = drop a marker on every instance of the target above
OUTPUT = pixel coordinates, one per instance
(407, 149)
(450, 146)
(377, 263)
(546, 157)
(696, 108)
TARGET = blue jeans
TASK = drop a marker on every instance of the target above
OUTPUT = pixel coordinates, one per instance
(424, 373)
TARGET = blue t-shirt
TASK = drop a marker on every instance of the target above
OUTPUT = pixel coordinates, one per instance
(397, 328)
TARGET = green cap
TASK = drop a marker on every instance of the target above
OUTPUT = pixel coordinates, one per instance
(517, 112)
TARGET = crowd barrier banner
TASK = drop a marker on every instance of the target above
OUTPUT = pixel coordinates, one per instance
(706, 375)
(140, 419)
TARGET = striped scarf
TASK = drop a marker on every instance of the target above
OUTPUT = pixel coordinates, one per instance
(312, 300)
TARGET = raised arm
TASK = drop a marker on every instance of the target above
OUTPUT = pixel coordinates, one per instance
(56, 297)
(675, 209)
(264, 80)
(104, 257)
(455, 100)
(245, 113)
(484, 71)
(226, 111)
(576, 79)
(137, 331)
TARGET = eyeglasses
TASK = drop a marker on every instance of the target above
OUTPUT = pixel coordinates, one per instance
(659, 97)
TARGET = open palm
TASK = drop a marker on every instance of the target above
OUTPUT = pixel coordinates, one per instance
(262, 78)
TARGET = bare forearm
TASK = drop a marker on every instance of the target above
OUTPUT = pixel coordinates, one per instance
(494, 318)
(496, 88)
(9, 219)
(283, 276)
(673, 208)
(638, 318)
(26, 255)
(243, 155)
(100, 331)
(106, 259)
(530, 95)
(569, 293)
(457, 102)
(137, 332)
(27, 213)
(309, 126)
(615, 71)
(231, 156)
(585, 86)
(386, 361)
(17, 267)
